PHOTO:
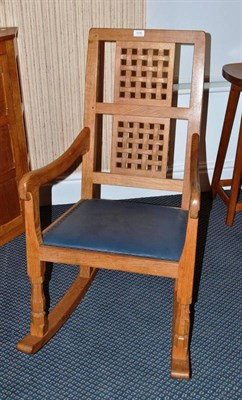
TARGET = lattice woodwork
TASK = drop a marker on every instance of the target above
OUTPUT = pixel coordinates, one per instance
(140, 146)
(144, 72)
(143, 75)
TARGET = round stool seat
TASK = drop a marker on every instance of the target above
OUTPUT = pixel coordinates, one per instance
(233, 73)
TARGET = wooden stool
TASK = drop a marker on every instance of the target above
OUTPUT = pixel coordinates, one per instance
(233, 74)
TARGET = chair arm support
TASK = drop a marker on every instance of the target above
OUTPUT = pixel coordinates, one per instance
(32, 181)
(194, 177)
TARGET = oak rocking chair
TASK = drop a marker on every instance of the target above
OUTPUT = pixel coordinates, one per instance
(119, 235)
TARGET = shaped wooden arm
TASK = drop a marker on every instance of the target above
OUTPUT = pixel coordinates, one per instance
(31, 182)
(194, 177)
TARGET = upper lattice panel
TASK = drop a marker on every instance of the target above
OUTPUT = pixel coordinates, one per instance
(144, 71)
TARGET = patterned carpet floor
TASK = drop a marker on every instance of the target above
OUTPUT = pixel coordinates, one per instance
(117, 343)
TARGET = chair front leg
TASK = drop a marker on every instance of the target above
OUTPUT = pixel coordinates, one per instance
(180, 360)
(180, 367)
(39, 322)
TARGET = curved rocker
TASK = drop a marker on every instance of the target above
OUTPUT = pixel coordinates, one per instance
(31, 344)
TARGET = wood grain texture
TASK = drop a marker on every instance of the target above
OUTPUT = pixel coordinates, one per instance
(88, 145)
(13, 152)
(233, 73)
(52, 41)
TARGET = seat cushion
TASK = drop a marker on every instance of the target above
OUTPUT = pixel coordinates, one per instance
(122, 227)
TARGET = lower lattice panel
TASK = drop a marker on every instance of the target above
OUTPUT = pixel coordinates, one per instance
(140, 144)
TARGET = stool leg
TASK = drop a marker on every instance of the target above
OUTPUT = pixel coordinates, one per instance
(225, 136)
(235, 186)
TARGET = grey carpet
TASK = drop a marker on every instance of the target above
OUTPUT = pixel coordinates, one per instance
(117, 343)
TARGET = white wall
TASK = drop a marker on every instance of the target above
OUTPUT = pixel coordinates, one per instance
(222, 19)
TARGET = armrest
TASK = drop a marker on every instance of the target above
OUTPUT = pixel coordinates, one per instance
(194, 177)
(32, 181)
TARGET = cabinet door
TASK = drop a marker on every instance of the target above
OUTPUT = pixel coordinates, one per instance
(9, 201)
(13, 154)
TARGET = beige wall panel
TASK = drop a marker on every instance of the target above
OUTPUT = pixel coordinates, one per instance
(52, 43)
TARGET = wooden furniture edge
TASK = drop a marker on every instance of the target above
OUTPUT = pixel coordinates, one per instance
(11, 229)
(107, 178)
(168, 35)
(110, 261)
(8, 33)
(194, 177)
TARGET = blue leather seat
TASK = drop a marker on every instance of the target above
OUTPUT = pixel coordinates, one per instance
(122, 227)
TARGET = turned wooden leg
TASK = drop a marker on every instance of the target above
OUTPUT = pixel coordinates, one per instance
(236, 181)
(41, 331)
(225, 136)
(183, 289)
(44, 326)
(39, 322)
(180, 340)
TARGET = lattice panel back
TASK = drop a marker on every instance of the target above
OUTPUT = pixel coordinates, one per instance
(144, 72)
(140, 146)
(143, 76)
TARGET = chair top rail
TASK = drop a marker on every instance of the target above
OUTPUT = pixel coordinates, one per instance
(156, 35)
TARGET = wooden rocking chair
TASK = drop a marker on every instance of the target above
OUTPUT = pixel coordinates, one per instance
(119, 235)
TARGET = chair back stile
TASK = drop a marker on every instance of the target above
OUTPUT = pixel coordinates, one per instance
(141, 109)
(90, 161)
(194, 121)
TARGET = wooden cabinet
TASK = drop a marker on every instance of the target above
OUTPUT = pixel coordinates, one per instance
(13, 150)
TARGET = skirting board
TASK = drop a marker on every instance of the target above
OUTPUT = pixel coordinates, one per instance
(68, 190)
